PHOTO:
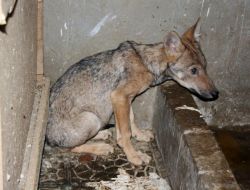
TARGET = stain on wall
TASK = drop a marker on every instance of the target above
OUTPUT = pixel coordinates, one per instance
(75, 29)
(18, 78)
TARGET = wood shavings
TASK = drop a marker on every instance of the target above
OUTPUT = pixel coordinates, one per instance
(185, 107)
(124, 182)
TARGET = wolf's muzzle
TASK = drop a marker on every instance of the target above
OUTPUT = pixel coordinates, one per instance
(206, 96)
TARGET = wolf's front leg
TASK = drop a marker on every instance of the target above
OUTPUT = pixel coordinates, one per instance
(140, 135)
(121, 106)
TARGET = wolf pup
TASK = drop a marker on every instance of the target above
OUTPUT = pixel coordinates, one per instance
(83, 99)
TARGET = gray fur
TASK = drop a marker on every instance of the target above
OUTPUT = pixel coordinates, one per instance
(80, 103)
(85, 88)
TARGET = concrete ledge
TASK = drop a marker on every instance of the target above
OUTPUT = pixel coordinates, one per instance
(35, 140)
(192, 157)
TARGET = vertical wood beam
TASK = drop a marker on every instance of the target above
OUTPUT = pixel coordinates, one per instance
(1, 151)
(40, 70)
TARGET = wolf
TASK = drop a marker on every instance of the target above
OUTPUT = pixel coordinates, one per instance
(83, 99)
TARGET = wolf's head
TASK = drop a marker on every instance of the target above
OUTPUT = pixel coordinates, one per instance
(187, 64)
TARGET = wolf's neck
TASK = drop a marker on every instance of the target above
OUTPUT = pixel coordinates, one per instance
(153, 57)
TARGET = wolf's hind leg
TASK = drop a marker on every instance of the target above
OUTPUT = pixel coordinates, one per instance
(74, 131)
(89, 125)
(140, 135)
(94, 148)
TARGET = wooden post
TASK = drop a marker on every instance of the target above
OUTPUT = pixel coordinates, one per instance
(1, 152)
(40, 71)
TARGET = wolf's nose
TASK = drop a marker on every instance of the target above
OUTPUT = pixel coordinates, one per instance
(215, 94)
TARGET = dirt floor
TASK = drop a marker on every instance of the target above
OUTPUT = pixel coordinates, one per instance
(62, 169)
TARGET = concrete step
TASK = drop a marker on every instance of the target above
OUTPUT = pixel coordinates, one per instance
(192, 156)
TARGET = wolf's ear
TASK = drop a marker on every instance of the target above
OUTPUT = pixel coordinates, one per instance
(193, 33)
(172, 43)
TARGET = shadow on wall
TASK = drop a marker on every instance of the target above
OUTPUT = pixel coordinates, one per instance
(6, 11)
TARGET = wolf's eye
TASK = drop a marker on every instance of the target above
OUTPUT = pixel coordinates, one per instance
(194, 71)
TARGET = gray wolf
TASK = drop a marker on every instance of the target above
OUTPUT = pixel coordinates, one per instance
(83, 99)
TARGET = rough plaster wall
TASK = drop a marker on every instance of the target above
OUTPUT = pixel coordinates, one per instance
(226, 44)
(17, 76)
(75, 29)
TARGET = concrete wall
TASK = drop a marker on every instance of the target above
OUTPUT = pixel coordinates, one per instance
(225, 42)
(75, 29)
(18, 78)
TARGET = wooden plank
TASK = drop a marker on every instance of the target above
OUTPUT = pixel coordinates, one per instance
(40, 51)
(1, 152)
(35, 139)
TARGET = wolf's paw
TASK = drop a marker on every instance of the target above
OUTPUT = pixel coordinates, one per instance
(103, 135)
(143, 135)
(146, 158)
(139, 158)
(105, 149)
(136, 160)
